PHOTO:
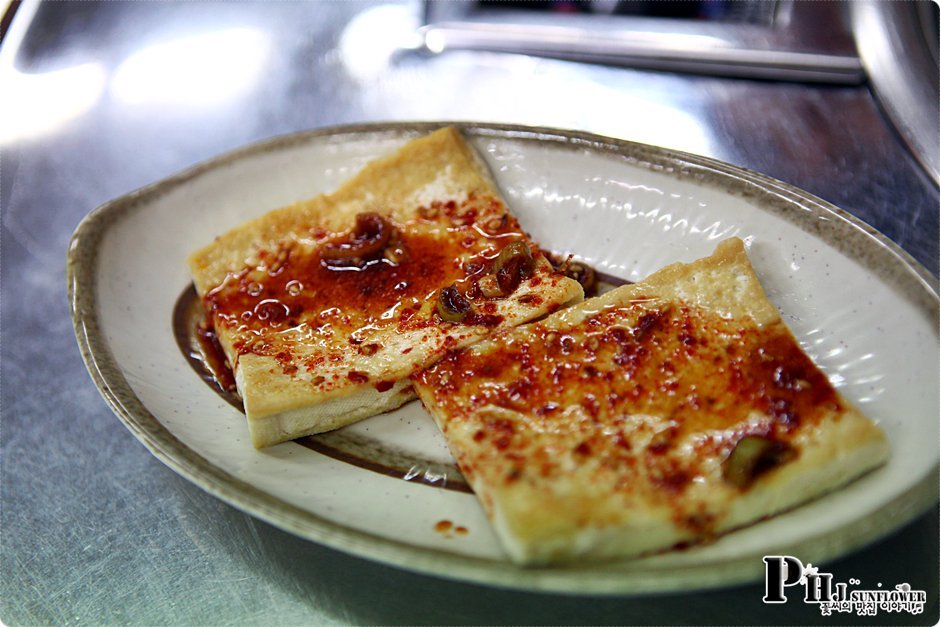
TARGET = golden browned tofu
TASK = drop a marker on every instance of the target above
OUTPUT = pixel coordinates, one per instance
(660, 413)
(324, 308)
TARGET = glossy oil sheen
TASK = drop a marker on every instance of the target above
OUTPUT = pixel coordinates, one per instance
(198, 345)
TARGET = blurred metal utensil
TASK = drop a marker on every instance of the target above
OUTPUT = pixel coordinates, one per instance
(802, 42)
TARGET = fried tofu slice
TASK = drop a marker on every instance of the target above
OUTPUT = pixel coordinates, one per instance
(664, 412)
(325, 307)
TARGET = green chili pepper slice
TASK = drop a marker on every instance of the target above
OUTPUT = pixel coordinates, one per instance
(752, 456)
(513, 265)
(452, 306)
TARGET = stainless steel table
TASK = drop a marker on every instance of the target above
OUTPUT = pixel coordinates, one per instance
(94, 529)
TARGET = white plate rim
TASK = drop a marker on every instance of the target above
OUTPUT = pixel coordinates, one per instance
(857, 239)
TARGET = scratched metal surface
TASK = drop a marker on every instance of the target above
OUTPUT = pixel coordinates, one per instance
(92, 528)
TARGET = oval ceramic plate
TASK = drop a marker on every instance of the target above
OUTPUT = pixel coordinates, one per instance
(861, 307)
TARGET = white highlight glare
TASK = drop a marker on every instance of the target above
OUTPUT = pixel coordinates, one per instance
(198, 70)
(35, 104)
(372, 37)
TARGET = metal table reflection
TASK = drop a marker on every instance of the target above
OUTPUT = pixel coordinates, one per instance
(100, 98)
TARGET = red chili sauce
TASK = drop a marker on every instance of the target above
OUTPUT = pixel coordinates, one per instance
(293, 287)
(695, 371)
